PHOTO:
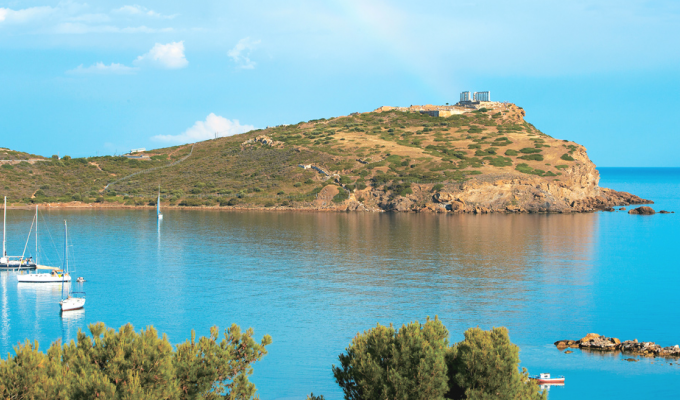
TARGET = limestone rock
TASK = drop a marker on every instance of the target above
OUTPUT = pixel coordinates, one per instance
(589, 337)
(644, 210)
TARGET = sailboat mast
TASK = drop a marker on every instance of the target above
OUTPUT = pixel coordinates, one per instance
(36, 234)
(65, 263)
(66, 245)
(4, 229)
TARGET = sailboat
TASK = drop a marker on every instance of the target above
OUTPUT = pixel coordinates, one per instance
(56, 276)
(73, 300)
(11, 262)
(158, 204)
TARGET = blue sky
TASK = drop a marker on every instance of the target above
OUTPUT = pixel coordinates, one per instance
(100, 78)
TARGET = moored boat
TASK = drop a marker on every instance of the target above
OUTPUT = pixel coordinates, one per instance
(12, 262)
(73, 300)
(544, 379)
(56, 276)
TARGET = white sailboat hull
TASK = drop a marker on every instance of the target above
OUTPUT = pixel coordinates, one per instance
(72, 303)
(160, 216)
(43, 278)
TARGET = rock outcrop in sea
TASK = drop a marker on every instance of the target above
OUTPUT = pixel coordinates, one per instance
(594, 341)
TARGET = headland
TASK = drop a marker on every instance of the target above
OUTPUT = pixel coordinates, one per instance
(476, 156)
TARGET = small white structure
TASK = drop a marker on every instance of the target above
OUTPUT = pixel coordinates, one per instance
(140, 150)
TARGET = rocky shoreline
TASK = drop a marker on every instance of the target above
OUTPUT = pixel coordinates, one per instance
(595, 342)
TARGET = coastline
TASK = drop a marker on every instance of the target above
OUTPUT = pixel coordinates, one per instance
(428, 209)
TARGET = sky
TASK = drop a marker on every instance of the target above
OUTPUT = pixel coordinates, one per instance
(86, 79)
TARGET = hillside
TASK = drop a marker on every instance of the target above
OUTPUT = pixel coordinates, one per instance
(484, 160)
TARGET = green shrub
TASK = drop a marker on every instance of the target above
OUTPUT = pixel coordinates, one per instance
(567, 157)
(269, 204)
(345, 180)
(191, 202)
(561, 166)
(7, 166)
(510, 152)
(530, 150)
(341, 196)
(500, 161)
(437, 187)
(533, 157)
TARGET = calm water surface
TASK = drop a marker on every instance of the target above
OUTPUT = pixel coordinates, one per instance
(313, 280)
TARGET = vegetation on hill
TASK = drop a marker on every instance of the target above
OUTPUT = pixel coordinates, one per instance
(388, 151)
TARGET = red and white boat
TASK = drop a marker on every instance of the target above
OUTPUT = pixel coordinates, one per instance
(545, 379)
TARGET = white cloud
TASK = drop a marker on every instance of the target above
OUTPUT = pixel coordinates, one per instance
(241, 52)
(170, 56)
(204, 130)
(138, 10)
(25, 15)
(101, 68)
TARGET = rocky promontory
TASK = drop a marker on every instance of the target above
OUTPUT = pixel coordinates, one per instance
(482, 158)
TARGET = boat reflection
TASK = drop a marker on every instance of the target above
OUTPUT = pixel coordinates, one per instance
(43, 288)
(73, 315)
(546, 386)
(71, 322)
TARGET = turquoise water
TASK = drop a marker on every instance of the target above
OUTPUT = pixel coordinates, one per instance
(313, 280)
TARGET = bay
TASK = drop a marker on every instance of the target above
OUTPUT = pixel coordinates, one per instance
(313, 280)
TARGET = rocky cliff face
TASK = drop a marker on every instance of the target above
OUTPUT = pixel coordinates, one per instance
(577, 190)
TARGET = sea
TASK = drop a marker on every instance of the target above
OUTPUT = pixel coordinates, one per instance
(313, 280)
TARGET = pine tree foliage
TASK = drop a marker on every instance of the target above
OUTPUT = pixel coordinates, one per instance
(128, 365)
(416, 362)
(486, 365)
(385, 363)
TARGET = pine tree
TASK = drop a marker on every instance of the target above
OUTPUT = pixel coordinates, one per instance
(383, 363)
(485, 365)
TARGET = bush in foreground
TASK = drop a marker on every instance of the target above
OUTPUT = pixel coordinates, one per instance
(416, 362)
(130, 365)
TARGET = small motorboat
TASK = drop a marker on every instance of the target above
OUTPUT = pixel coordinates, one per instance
(80, 279)
(545, 379)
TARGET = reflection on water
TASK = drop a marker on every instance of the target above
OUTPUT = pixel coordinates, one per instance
(322, 277)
